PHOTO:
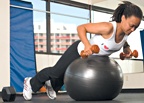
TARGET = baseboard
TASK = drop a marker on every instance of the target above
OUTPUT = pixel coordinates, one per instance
(141, 90)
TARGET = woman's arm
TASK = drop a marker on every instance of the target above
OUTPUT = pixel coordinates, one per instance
(102, 28)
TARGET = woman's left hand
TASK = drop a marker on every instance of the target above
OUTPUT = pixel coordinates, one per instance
(127, 51)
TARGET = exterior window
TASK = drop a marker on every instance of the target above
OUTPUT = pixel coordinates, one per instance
(64, 26)
(39, 23)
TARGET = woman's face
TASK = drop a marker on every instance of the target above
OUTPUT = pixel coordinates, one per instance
(129, 24)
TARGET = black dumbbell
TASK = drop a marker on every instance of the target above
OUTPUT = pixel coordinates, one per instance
(8, 94)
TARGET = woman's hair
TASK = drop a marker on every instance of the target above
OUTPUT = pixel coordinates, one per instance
(127, 9)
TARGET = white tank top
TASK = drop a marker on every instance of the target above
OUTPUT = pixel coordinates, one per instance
(107, 46)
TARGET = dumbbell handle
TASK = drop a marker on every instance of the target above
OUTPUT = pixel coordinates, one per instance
(123, 55)
(94, 49)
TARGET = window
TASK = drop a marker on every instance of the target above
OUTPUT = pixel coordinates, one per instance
(64, 24)
(39, 23)
(55, 29)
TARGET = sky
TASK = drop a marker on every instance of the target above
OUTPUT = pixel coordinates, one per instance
(56, 8)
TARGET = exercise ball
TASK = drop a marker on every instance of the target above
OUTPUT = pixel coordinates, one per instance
(93, 79)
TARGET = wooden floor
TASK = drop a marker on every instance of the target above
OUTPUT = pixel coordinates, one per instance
(65, 98)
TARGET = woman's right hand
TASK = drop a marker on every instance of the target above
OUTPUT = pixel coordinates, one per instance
(87, 50)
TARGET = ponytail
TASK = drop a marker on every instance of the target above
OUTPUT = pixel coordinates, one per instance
(127, 9)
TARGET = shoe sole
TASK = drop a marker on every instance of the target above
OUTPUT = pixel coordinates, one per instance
(49, 95)
(25, 97)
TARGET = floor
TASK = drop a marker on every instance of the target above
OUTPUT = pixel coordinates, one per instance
(65, 98)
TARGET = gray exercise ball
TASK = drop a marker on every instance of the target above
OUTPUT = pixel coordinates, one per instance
(94, 78)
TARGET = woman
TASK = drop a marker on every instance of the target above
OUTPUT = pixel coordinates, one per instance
(109, 36)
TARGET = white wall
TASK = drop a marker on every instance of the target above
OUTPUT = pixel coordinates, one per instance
(43, 60)
(131, 66)
(4, 44)
(131, 80)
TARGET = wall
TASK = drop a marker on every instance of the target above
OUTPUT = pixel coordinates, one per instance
(43, 61)
(4, 44)
(131, 80)
(131, 66)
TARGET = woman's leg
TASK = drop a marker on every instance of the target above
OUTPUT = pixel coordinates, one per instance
(55, 73)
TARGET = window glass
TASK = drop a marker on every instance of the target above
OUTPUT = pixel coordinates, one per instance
(64, 24)
(39, 23)
(64, 20)
(100, 17)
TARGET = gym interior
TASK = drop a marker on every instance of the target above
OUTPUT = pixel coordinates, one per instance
(34, 35)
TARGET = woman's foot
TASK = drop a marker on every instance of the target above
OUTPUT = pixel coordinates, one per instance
(27, 91)
(50, 91)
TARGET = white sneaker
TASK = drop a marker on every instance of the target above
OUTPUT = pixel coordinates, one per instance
(50, 91)
(27, 91)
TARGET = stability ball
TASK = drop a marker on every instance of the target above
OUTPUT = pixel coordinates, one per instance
(93, 79)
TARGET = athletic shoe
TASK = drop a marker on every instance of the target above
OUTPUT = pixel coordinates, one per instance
(27, 91)
(50, 91)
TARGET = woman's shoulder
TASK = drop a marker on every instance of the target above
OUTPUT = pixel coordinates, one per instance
(107, 26)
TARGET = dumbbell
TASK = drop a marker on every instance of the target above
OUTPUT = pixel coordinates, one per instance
(94, 49)
(8, 94)
(123, 55)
